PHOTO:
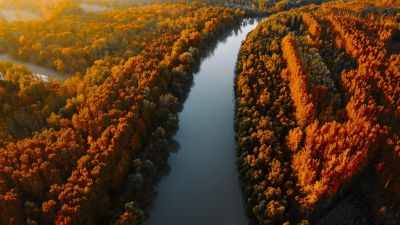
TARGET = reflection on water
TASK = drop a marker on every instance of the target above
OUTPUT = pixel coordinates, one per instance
(42, 73)
(12, 15)
(202, 187)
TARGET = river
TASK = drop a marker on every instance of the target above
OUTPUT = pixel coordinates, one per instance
(49, 74)
(202, 187)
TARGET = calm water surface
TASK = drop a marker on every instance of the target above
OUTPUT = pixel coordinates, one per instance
(202, 187)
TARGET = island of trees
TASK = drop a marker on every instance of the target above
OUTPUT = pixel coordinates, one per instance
(318, 111)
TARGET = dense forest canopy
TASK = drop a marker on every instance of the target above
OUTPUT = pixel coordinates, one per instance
(317, 107)
(69, 39)
(67, 148)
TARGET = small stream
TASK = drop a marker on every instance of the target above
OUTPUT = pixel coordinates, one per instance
(43, 73)
(202, 187)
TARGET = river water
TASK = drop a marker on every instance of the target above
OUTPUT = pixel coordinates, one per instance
(202, 187)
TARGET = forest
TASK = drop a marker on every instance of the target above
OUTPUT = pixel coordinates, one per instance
(317, 107)
(67, 148)
(318, 113)
(54, 8)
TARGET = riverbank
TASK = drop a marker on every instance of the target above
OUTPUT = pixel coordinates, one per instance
(153, 164)
(202, 186)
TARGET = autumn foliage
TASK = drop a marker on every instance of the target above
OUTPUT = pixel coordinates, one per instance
(302, 99)
(332, 72)
(104, 131)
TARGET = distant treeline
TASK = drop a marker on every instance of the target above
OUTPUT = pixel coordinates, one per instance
(51, 7)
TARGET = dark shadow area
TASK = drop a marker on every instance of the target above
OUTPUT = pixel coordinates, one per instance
(393, 45)
(362, 201)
